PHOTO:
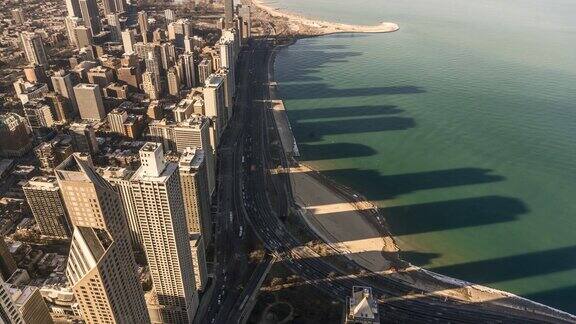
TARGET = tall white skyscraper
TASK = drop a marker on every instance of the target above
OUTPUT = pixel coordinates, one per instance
(214, 102)
(34, 48)
(101, 267)
(158, 200)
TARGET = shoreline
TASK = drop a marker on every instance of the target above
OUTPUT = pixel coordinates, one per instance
(371, 214)
(418, 277)
(432, 282)
(304, 26)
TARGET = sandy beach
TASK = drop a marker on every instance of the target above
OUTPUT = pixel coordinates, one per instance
(308, 26)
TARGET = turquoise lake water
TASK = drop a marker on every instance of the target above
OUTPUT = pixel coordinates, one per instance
(462, 125)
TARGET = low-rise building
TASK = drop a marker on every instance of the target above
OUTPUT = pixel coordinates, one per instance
(361, 307)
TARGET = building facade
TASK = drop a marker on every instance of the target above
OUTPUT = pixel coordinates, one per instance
(101, 267)
(45, 201)
(158, 200)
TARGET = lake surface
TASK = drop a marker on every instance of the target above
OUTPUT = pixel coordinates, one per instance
(462, 126)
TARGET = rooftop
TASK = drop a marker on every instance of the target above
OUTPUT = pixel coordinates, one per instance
(214, 80)
(42, 183)
(191, 159)
(86, 86)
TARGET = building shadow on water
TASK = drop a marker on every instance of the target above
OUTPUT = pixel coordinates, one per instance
(515, 266)
(563, 298)
(314, 131)
(306, 68)
(318, 90)
(339, 112)
(376, 186)
(332, 151)
(452, 214)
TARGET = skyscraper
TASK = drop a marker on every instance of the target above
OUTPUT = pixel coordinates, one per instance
(167, 55)
(150, 85)
(15, 139)
(193, 132)
(90, 15)
(215, 105)
(169, 15)
(120, 179)
(7, 263)
(38, 114)
(198, 248)
(114, 23)
(143, 25)
(173, 82)
(83, 138)
(229, 13)
(35, 73)
(194, 181)
(63, 84)
(158, 201)
(246, 27)
(189, 70)
(71, 24)
(83, 36)
(90, 104)
(73, 7)
(9, 313)
(45, 201)
(204, 70)
(109, 7)
(153, 63)
(116, 119)
(101, 76)
(178, 30)
(128, 41)
(101, 267)
(29, 303)
(61, 107)
(229, 90)
(120, 6)
(33, 48)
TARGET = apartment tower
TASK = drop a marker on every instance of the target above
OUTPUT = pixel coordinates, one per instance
(90, 103)
(45, 201)
(157, 197)
(34, 48)
(101, 267)
(194, 182)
